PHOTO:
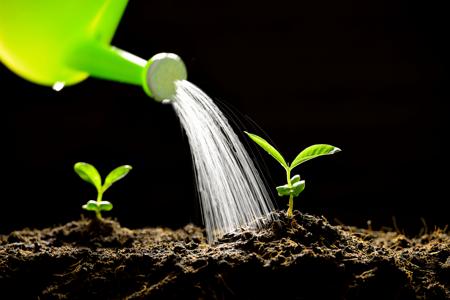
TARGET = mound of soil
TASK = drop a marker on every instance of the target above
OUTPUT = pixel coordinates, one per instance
(300, 258)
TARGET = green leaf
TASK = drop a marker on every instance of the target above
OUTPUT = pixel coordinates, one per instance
(105, 206)
(283, 190)
(268, 148)
(295, 190)
(91, 205)
(298, 187)
(313, 152)
(295, 179)
(115, 175)
(89, 173)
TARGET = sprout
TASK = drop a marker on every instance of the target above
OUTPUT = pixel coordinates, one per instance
(89, 173)
(294, 185)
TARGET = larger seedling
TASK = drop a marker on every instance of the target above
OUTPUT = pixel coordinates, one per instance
(294, 185)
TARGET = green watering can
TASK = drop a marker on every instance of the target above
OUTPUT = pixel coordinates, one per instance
(62, 42)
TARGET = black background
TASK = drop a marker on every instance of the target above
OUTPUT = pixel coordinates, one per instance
(367, 76)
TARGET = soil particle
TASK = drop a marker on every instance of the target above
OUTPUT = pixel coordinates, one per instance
(300, 258)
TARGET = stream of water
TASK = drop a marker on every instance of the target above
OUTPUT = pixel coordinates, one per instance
(231, 192)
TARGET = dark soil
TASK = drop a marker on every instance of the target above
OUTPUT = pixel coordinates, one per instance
(302, 258)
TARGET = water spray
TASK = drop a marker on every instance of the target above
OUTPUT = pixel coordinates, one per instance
(231, 192)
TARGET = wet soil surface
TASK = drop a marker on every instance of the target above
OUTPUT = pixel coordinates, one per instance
(300, 258)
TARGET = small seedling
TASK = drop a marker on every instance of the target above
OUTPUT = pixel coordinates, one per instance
(294, 185)
(89, 173)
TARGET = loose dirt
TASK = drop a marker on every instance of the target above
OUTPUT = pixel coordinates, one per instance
(301, 258)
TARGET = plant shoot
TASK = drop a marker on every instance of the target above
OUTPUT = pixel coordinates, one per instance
(89, 173)
(294, 185)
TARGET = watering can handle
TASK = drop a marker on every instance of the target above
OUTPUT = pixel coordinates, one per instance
(108, 18)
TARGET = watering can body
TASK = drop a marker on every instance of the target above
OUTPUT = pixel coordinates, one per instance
(62, 42)
(38, 38)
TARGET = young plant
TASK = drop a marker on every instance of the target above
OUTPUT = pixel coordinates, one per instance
(294, 185)
(89, 173)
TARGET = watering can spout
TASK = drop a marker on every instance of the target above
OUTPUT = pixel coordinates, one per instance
(157, 76)
(57, 43)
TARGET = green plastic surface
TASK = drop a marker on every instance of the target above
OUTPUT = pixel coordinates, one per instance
(38, 39)
(62, 42)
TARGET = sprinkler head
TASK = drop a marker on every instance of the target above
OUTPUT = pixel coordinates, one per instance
(160, 75)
